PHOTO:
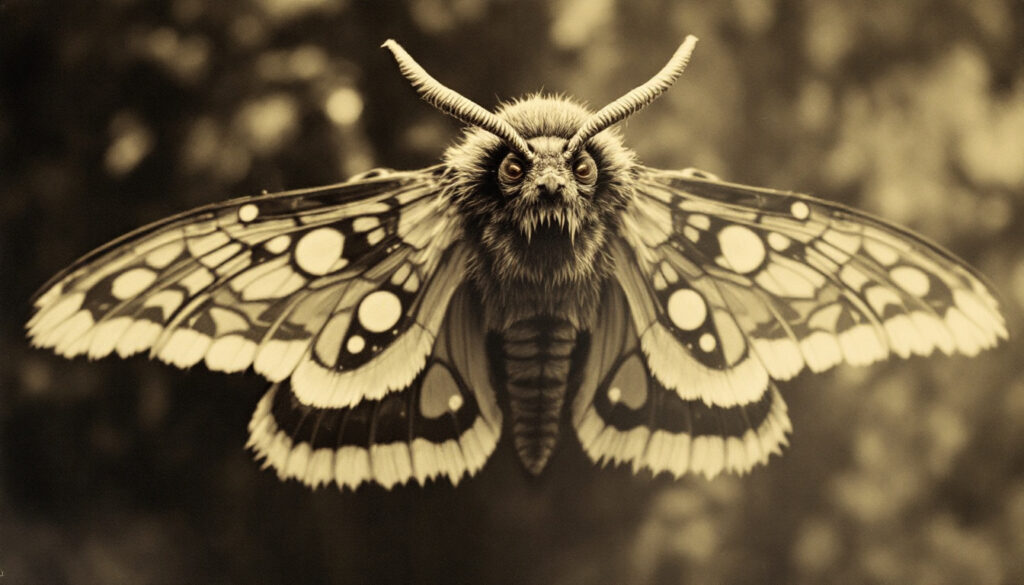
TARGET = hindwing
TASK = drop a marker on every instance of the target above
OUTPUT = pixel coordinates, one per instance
(446, 422)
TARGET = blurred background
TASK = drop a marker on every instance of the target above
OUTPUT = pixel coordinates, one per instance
(115, 113)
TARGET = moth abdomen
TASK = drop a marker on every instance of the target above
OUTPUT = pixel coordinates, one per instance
(537, 356)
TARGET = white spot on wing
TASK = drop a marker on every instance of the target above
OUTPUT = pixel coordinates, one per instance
(911, 279)
(742, 248)
(318, 250)
(778, 241)
(614, 395)
(800, 210)
(248, 212)
(454, 402)
(132, 282)
(278, 244)
(687, 309)
(707, 342)
(380, 311)
(355, 344)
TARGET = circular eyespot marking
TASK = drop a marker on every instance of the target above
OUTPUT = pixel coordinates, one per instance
(318, 250)
(248, 212)
(707, 342)
(742, 248)
(687, 309)
(380, 311)
(355, 344)
(800, 210)
(614, 394)
(911, 279)
(454, 402)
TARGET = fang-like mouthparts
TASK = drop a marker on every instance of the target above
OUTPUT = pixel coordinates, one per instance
(547, 220)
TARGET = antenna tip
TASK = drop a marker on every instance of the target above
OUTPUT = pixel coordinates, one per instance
(689, 43)
(390, 44)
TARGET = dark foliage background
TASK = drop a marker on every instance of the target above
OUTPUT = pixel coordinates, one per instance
(114, 113)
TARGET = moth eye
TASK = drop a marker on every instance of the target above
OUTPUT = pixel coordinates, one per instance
(585, 170)
(511, 170)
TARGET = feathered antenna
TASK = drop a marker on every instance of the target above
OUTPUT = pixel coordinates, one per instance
(454, 104)
(635, 100)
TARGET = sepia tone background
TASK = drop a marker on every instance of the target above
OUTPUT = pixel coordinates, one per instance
(115, 113)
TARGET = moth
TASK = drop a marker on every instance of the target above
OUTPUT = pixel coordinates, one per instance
(539, 276)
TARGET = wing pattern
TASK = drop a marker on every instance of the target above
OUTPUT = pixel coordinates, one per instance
(352, 300)
(445, 423)
(731, 287)
(624, 413)
(341, 289)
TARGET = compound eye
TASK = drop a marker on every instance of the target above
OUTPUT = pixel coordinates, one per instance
(585, 170)
(511, 169)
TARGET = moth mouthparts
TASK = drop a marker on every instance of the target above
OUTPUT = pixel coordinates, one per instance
(552, 223)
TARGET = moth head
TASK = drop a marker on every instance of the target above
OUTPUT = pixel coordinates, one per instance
(545, 216)
(541, 181)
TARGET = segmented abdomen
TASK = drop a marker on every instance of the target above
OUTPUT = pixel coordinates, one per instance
(537, 353)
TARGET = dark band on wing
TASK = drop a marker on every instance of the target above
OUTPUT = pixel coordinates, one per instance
(663, 409)
(395, 418)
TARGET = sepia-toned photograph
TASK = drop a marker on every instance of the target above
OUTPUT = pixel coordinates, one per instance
(512, 292)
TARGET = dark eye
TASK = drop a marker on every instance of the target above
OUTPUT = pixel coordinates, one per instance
(584, 170)
(511, 170)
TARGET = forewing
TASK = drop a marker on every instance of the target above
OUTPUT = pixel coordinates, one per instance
(731, 286)
(445, 423)
(339, 288)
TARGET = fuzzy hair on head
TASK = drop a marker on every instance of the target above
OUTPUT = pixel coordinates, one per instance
(533, 252)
